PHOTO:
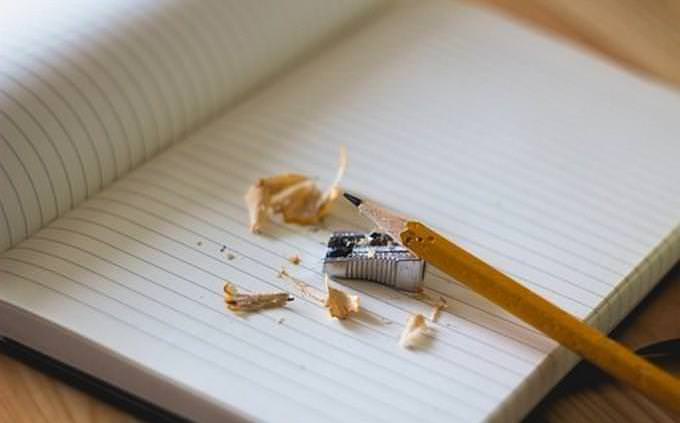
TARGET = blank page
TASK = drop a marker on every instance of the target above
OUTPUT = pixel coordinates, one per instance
(554, 167)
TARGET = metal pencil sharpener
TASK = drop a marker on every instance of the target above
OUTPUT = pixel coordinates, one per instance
(373, 256)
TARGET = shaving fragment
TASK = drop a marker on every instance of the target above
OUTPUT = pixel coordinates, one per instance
(302, 287)
(230, 256)
(415, 330)
(253, 302)
(421, 296)
(437, 304)
(437, 309)
(339, 303)
(295, 197)
(295, 259)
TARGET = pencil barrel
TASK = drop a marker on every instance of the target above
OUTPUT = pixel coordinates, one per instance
(554, 322)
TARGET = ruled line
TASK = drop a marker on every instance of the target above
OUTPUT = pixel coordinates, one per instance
(30, 179)
(20, 203)
(7, 224)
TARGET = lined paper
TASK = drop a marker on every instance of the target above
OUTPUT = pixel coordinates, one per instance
(89, 90)
(450, 114)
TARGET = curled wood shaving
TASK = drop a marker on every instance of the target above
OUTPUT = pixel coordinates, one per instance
(293, 196)
(253, 302)
(295, 259)
(339, 303)
(414, 331)
(437, 309)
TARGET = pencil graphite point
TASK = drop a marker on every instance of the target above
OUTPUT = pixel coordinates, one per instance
(388, 222)
(352, 199)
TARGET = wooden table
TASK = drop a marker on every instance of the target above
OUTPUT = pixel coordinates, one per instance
(643, 35)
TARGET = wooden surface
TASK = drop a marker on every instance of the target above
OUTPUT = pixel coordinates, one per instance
(643, 35)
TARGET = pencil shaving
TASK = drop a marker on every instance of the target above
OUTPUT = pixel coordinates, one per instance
(437, 309)
(294, 196)
(414, 332)
(253, 302)
(339, 303)
(302, 287)
(295, 259)
(437, 305)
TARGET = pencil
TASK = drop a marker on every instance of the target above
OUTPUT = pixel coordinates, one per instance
(588, 342)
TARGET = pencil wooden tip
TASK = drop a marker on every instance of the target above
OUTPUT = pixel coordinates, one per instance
(352, 199)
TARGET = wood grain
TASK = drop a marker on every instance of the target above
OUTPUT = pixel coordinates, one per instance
(642, 35)
(29, 396)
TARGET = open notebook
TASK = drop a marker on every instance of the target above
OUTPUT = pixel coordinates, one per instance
(129, 132)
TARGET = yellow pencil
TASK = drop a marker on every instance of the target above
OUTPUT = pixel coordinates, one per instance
(589, 343)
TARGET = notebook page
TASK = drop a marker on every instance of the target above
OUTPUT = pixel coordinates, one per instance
(450, 114)
(89, 90)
